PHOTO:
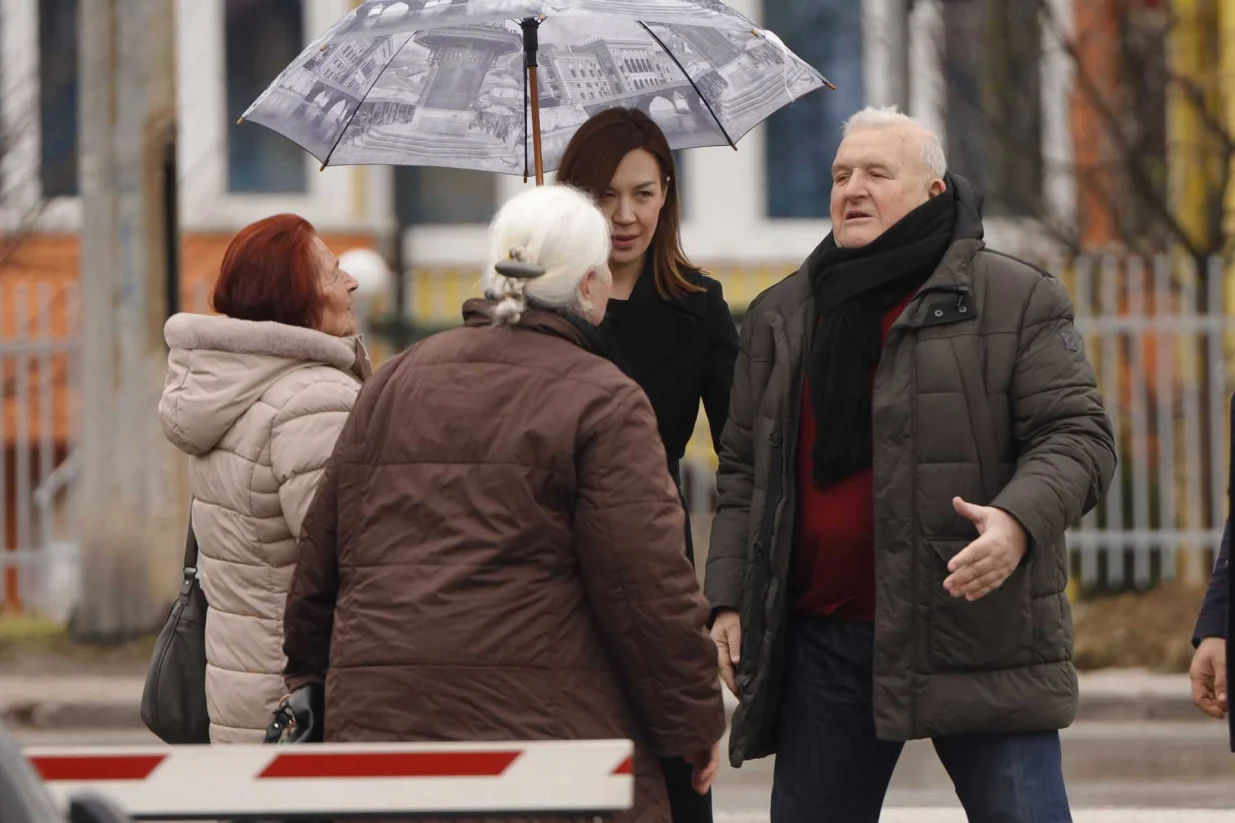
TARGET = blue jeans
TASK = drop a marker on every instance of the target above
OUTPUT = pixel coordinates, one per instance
(831, 767)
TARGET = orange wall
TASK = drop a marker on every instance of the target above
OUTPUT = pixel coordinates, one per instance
(1097, 186)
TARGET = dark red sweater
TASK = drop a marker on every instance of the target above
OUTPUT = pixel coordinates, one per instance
(833, 570)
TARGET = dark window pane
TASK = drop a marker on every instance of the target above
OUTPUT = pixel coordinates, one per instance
(263, 36)
(992, 53)
(431, 195)
(802, 138)
(58, 96)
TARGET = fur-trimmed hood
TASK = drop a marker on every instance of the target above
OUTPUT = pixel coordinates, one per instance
(219, 366)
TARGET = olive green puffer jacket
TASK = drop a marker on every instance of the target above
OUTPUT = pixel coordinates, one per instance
(983, 391)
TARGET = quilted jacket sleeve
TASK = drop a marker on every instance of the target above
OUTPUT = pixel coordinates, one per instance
(1067, 450)
(308, 619)
(735, 478)
(303, 438)
(628, 535)
(1213, 619)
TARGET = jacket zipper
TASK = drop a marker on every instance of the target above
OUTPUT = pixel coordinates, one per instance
(761, 579)
(766, 537)
(913, 555)
(902, 330)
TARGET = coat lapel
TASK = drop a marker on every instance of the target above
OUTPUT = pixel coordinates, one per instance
(655, 329)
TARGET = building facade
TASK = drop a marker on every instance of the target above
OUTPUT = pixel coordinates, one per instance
(991, 77)
(750, 214)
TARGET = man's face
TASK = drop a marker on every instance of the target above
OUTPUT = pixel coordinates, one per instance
(878, 177)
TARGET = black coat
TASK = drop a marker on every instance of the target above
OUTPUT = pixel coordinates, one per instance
(680, 351)
(1217, 619)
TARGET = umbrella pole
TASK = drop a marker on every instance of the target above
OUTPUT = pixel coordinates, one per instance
(531, 44)
(531, 79)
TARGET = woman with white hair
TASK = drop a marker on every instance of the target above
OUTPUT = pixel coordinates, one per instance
(495, 551)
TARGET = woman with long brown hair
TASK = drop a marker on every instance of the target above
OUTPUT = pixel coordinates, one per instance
(671, 323)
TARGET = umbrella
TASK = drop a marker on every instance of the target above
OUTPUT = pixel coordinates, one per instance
(449, 82)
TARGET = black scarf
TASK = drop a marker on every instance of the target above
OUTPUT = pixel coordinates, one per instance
(853, 289)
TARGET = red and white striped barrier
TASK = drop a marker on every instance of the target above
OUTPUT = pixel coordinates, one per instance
(557, 778)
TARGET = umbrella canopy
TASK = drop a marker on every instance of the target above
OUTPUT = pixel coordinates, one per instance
(443, 82)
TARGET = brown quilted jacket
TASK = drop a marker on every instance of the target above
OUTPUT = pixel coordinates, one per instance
(495, 553)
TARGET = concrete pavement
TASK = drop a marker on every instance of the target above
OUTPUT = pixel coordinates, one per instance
(83, 702)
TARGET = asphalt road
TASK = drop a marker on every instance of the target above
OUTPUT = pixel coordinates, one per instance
(1125, 772)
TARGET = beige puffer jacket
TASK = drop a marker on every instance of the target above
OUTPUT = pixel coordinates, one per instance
(258, 406)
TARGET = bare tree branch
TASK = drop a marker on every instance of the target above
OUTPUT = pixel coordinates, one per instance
(1136, 172)
(1128, 179)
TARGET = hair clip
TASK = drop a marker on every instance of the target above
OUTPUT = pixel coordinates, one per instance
(518, 270)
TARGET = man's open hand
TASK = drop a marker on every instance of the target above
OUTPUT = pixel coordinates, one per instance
(1208, 676)
(983, 565)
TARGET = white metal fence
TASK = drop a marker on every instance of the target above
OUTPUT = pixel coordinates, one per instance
(1160, 337)
(1158, 332)
(40, 365)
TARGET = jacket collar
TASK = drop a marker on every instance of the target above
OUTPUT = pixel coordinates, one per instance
(219, 367)
(362, 367)
(947, 295)
(645, 296)
(479, 312)
(654, 329)
(227, 334)
(948, 291)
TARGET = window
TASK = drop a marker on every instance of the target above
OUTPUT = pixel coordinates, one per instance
(802, 138)
(58, 97)
(991, 54)
(263, 37)
(431, 195)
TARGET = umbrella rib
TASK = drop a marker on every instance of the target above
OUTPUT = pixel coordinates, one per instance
(690, 80)
(342, 132)
(348, 124)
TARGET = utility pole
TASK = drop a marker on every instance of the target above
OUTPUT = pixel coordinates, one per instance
(127, 494)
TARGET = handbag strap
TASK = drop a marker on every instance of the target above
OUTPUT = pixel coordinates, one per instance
(190, 556)
(190, 543)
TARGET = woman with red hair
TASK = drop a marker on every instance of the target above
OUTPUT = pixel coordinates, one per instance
(257, 397)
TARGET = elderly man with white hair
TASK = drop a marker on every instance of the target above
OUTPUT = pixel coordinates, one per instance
(913, 426)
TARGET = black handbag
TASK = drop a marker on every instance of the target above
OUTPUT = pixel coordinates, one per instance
(174, 697)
